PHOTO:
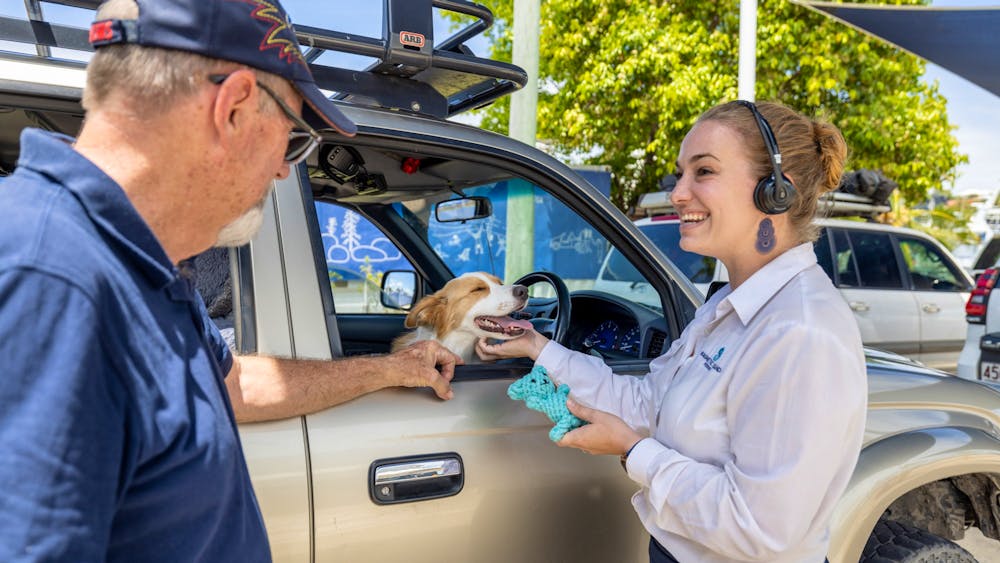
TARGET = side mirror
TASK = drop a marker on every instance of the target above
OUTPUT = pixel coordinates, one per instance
(463, 209)
(398, 289)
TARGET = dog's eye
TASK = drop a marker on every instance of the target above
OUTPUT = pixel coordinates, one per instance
(478, 289)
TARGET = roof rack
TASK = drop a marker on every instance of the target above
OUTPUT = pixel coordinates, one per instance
(412, 74)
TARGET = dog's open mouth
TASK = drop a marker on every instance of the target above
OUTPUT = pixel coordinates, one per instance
(503, 325)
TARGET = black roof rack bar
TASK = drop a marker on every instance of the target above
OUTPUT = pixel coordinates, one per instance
(34, 10)
(310, 55)
(330, 40)
(44, 34)
(468, 8)
(410, 76)
(484, 97)
(85, 4)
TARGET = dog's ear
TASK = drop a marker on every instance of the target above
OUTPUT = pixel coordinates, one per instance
(424, 312)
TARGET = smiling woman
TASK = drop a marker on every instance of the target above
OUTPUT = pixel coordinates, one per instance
(725, 418)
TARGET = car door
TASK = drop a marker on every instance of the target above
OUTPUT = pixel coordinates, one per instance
(941, 290)
(279, 312)
(399, 474)
(869, 278)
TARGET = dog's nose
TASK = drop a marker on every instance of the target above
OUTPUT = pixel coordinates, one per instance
(520, 291)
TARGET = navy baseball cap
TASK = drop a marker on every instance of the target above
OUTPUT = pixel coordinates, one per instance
(256, 33)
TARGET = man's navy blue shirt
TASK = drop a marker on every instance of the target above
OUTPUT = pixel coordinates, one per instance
(117, 439)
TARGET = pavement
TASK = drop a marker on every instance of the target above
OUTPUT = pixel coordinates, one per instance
(984, 549)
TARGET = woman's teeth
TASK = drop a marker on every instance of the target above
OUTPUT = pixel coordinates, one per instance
(694, 217)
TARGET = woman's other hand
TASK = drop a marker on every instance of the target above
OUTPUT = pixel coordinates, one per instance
(605, 435)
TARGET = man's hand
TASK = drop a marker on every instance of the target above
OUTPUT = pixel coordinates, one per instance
(528, 345)
(424, 364)
(605, 435)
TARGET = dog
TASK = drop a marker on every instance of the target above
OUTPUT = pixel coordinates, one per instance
(469, 307)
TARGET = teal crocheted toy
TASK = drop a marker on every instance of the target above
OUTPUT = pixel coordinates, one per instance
(539, 393)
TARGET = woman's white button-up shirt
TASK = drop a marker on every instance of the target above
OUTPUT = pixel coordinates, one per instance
(755, 417)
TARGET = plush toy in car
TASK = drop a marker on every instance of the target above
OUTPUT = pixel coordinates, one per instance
(539, 393)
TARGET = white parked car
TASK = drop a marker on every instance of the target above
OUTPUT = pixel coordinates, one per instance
(907, 291)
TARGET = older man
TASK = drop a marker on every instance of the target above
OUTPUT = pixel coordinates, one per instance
(117, 434)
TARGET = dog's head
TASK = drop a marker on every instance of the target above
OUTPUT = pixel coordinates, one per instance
(476, 302)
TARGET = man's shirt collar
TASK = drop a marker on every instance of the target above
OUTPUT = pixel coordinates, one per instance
(52, 155)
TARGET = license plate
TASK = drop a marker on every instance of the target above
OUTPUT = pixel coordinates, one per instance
(989, 371)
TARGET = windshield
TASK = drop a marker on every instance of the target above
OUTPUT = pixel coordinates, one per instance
(666, 236)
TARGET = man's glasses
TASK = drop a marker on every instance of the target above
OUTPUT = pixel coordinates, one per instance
(302, 140)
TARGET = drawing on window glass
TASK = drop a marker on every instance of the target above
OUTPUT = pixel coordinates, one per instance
(355, 244)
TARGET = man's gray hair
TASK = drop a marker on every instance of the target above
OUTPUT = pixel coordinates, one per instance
(149, 78)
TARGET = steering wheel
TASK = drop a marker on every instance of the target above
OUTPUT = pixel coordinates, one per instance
(541, 309)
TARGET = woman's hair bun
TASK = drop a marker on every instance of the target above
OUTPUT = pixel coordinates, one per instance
(832, 151)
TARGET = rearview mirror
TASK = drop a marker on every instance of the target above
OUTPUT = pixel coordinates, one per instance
(398, 289)
(463, 209)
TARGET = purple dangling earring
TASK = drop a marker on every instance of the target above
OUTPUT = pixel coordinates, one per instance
(765, 236)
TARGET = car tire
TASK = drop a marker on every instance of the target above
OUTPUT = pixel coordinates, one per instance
(895, 542)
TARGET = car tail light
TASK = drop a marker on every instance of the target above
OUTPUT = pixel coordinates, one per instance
(975, 309)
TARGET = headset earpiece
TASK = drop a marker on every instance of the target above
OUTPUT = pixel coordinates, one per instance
(772, 197)
(773, 194)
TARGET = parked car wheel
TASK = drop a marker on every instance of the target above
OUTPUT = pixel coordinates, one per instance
(895, 542)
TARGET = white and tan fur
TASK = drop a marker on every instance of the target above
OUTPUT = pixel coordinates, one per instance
(464, 310)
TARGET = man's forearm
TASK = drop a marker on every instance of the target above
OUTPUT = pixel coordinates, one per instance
(263, 388)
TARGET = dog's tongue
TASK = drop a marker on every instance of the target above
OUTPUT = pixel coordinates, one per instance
(509, 325)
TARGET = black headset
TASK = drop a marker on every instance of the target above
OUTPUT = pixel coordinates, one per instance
(775, 193)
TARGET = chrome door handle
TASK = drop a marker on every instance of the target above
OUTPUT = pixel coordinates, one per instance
(931, 308)
(859, 306)
(412, 478)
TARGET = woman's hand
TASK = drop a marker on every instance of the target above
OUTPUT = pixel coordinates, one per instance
(605, 435)
(528, 345)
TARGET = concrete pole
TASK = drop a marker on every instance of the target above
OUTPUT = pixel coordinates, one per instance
(747, 81)
(523, 126)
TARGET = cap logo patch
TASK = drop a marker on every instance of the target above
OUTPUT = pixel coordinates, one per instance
(268, 12)
(101, 31)
(412, 39)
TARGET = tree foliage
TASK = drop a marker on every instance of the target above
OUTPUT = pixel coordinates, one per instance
(622, 82)
(946, 218)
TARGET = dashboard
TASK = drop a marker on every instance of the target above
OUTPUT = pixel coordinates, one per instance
(613, 327)
(615, 335)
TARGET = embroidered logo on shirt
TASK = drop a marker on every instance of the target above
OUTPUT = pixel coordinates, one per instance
(710, 363)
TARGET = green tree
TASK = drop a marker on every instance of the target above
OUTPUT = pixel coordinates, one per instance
(623, 81)
(947, 221)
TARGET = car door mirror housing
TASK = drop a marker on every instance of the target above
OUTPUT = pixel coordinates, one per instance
(398, 289)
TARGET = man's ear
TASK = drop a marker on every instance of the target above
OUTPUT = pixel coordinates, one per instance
(235, 101)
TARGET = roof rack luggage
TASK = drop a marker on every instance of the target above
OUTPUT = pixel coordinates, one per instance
(412, 74)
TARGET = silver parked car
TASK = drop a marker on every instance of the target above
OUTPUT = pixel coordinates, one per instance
(359, 233)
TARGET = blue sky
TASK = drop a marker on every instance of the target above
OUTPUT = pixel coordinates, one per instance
(975, 112)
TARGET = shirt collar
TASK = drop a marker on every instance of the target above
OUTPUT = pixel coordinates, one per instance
(52, 155)
(754, 293)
